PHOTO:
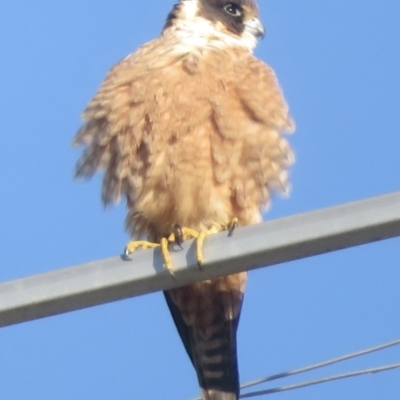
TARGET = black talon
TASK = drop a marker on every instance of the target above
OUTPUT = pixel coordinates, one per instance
(125, 255)
(178, 235)
(232, 227)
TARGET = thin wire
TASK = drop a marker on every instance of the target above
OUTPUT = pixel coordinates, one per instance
(321, 364)
(318, 381)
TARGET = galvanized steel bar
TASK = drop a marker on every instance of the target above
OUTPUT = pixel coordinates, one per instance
(251, 247)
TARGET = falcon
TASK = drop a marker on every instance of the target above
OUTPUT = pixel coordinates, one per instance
(189, 129)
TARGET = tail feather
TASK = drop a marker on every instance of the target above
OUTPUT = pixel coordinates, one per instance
(206, 315)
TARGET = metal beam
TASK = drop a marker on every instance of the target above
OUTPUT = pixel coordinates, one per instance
(251, 247)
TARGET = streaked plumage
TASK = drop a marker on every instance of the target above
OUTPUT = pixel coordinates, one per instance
(189, 130)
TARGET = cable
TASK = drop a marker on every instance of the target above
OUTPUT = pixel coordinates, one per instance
(321, 364)
(318, 381)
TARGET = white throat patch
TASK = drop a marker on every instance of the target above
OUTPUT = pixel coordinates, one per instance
(189, 9)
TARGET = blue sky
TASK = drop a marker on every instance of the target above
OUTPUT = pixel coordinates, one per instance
(339, 65)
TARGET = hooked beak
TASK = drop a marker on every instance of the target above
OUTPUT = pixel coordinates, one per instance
(255, 27)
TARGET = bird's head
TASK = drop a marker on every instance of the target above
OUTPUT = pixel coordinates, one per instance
(217, 22)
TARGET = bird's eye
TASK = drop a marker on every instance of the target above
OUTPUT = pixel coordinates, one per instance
(233, 9)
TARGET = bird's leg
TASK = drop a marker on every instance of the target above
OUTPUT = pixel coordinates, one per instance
(133, 245)
(203, 233)
(144, 244)
(139, 244)
(165, 254)
(199, 246)
(182, 233)
(178, 236)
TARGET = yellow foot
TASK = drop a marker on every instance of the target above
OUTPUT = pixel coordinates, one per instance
(143, 244)
(180, 234)
(199, 246)
(165, 255)
(138, 244)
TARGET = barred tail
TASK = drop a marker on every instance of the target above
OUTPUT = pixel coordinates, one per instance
(206, 315)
